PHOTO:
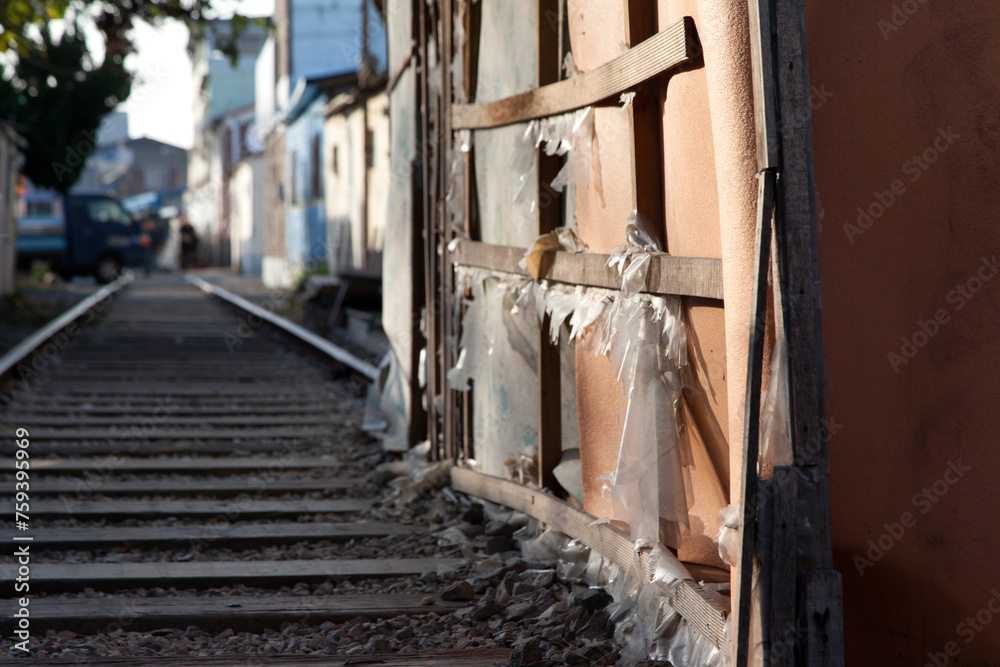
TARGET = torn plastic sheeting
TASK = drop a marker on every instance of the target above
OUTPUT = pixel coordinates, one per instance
(455, 199)
(775, 432)
(458, 61)
(576, 171)
(563, 134)
(646, 624)
(644, 339)
(728, 537)
(385, 414)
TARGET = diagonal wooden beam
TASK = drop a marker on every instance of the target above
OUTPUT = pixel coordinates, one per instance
(652, 57)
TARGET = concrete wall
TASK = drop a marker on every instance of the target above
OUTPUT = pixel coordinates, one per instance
(246, 196)
(344, 136)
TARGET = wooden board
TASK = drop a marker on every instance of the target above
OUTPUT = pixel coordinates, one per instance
(685, 276)
(698, 607)
(164, 432)
(467, 657)
(652, 57)
(86, 420)
(258, 485)
(65, 577)
(158, 509)
(200, 465)
(134, 447)
(213, 614)
(52, 390)
(751, 418)
(157, 406)
(101, 537)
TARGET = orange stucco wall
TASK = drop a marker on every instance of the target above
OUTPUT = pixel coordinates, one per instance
(709, 201)
(927, 81)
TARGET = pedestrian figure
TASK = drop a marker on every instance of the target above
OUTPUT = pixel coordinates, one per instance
(189, 243)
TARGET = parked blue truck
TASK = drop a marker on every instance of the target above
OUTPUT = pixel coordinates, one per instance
(79, 234)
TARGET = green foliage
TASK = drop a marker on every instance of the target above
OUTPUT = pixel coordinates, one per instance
(57, 102)
(54, 91)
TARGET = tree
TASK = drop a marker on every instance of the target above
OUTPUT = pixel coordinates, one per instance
(53, 90)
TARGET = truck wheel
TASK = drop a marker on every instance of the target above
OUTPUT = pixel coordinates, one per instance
(108, 269)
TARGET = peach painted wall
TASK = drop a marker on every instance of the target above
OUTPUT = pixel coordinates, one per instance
(891, 86)
(707, 114)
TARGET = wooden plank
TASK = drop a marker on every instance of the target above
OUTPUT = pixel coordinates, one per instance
(213, 614)
(467, 657)
(751, 418)
(646, 60)
(685, 276)
(694, 604)
(645, 115)
(87, 420)
(25, 348)
(824, 617)
(445, 228)
(259, 485)
(66, 577)
(819, 594)
(164, 432)
(53, 389)
(134, 447)
(242, 508)
(230, 534)
(764, 94)
(365, 369)
(200, 465)
(784, 557)
(139, 406)
(549, 362)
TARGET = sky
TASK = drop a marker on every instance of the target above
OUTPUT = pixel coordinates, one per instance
(162, 96)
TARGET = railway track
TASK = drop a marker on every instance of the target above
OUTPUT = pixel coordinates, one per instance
(193, 502)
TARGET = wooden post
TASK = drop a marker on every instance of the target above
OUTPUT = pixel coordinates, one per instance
(645, 116)
(821, 613)
(447, 270)
(549, 356)
(430, 264)
(805, 593)
(751, 418)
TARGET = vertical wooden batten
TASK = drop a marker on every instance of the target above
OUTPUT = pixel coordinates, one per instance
(549, 354)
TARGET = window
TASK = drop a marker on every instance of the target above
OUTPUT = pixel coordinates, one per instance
(294, 185)
(336, 160)
(370, 139)
(316, 169)
(107, 210)
(38, 209)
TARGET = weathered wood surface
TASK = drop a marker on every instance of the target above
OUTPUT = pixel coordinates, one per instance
(257, 485)
(685, 276)
(114, 576)
(694, 604)
(223, 533)
(244, 508)
(661, 53)
(193, 466)
(751, 418)
(212, 614)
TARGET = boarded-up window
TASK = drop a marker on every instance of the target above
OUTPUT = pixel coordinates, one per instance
(316, 169)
